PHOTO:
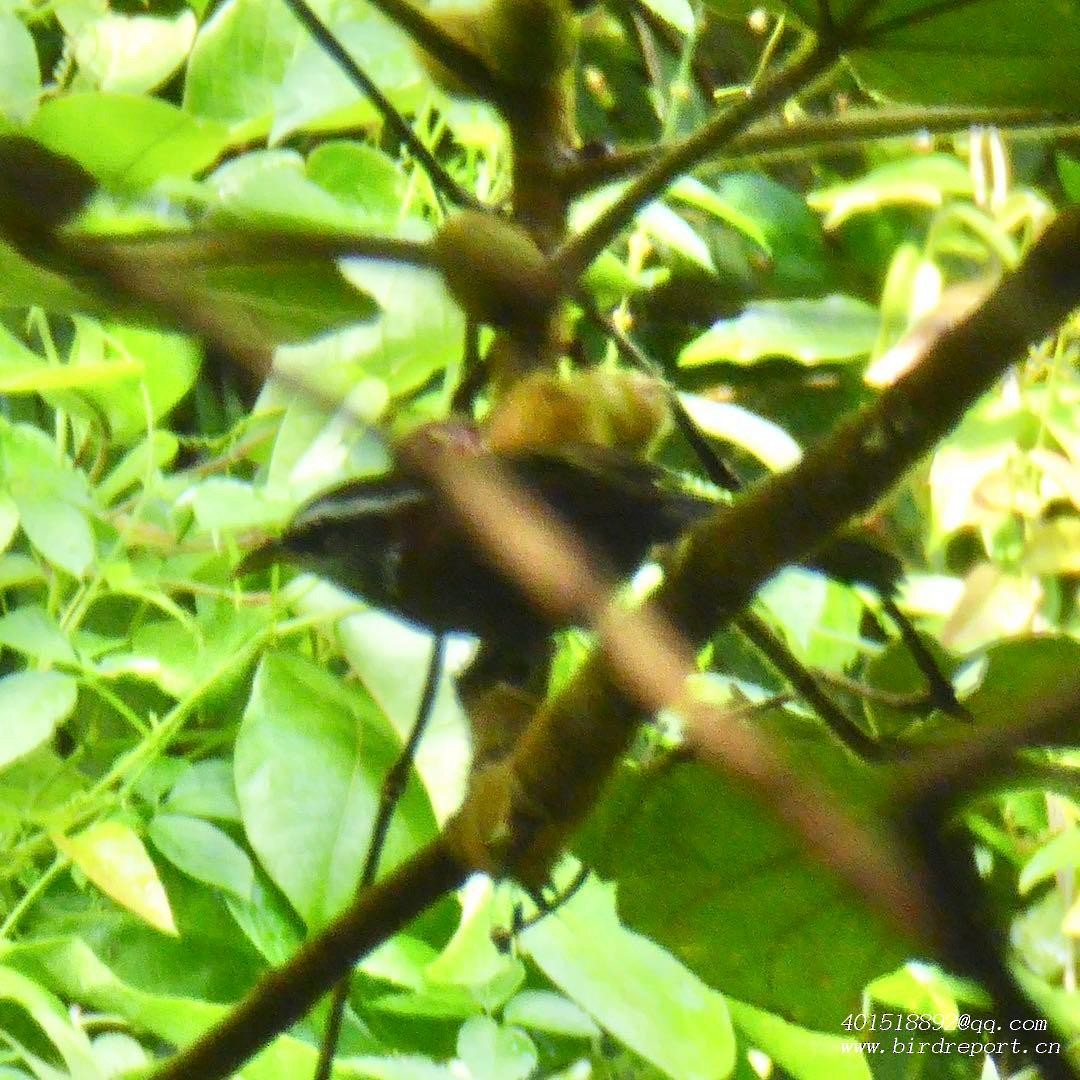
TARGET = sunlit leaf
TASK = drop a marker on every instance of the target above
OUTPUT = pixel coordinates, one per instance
(912, 181)
(20, 79)
(310, 760)
(127, 141)
(835, 329)
(32, 705)
(113, 857)
(131, 54)
(203, 852)
(576, 950)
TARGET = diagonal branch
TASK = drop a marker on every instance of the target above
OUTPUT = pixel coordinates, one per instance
(333, 48)
(519, 817)
(578, 252)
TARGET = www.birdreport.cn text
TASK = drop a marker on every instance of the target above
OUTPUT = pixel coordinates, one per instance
(922, 1033)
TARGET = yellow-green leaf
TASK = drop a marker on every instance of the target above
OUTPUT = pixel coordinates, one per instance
(113, 857)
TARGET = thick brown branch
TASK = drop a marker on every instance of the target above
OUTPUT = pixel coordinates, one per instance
(284, 995)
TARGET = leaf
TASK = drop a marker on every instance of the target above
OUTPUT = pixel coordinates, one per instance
(929, 52)
(206, 789)
(52, 1018)
(993, 52)
(1018, 675)
(20, 78)
(802, 1054)
(50, 495)
(543, 1010)
(492, 1052)
(360, 174)
(310, 761)
(820, 618)
(837, 328)
(316, 95)
(576, 950)
(166, 365)
(32, 631)
(32, 705)
(239, 58)
(391, 658)
(731, 893)
(132, 54)
(111, 855)
(768, 442)
(72, 969)
(419, 332)
(791, 234)
(127, 141)
(930, 180)
(1062, 852)
(203, 852)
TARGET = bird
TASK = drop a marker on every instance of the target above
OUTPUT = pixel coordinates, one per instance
(389, 540)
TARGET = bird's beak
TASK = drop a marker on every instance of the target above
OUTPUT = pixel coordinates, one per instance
(260, 558)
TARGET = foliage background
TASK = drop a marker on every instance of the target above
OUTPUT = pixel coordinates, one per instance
(188, 774)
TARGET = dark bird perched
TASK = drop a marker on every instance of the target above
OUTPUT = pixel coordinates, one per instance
(389, 541)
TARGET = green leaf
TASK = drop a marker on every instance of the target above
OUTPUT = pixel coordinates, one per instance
(72, 969)
(391, 659)
(50, 495)
(543, 1010)
(132, 54)
(791, 233)
(239, 58)
(32, 631)
(1062, 852)
(1018, 673)
(167, 366)
(310, 761)
(820, 618)
(492, 1052)
(831, 330)
(929, 52)
(315, 94)
(271, 189)
(724, 889)
(802, 1054)
(9, 520)
(203, 852)
(929, 180)
(619, 977)
(126, 141)
(360, 174)
(54, 1020)
(986, 52)
(113, 857)
(205, 789)
(32, 705)
(20, 78)
(418, 334)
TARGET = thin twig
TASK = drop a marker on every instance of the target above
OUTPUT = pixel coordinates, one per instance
(440, 178)
(817, 135)
(392, 789)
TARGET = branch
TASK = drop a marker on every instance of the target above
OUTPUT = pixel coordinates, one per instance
(439, 45)
(518, 813)
(774, 141)
(285, 994)
(333, 48)
(577, 253)
(565, 756)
